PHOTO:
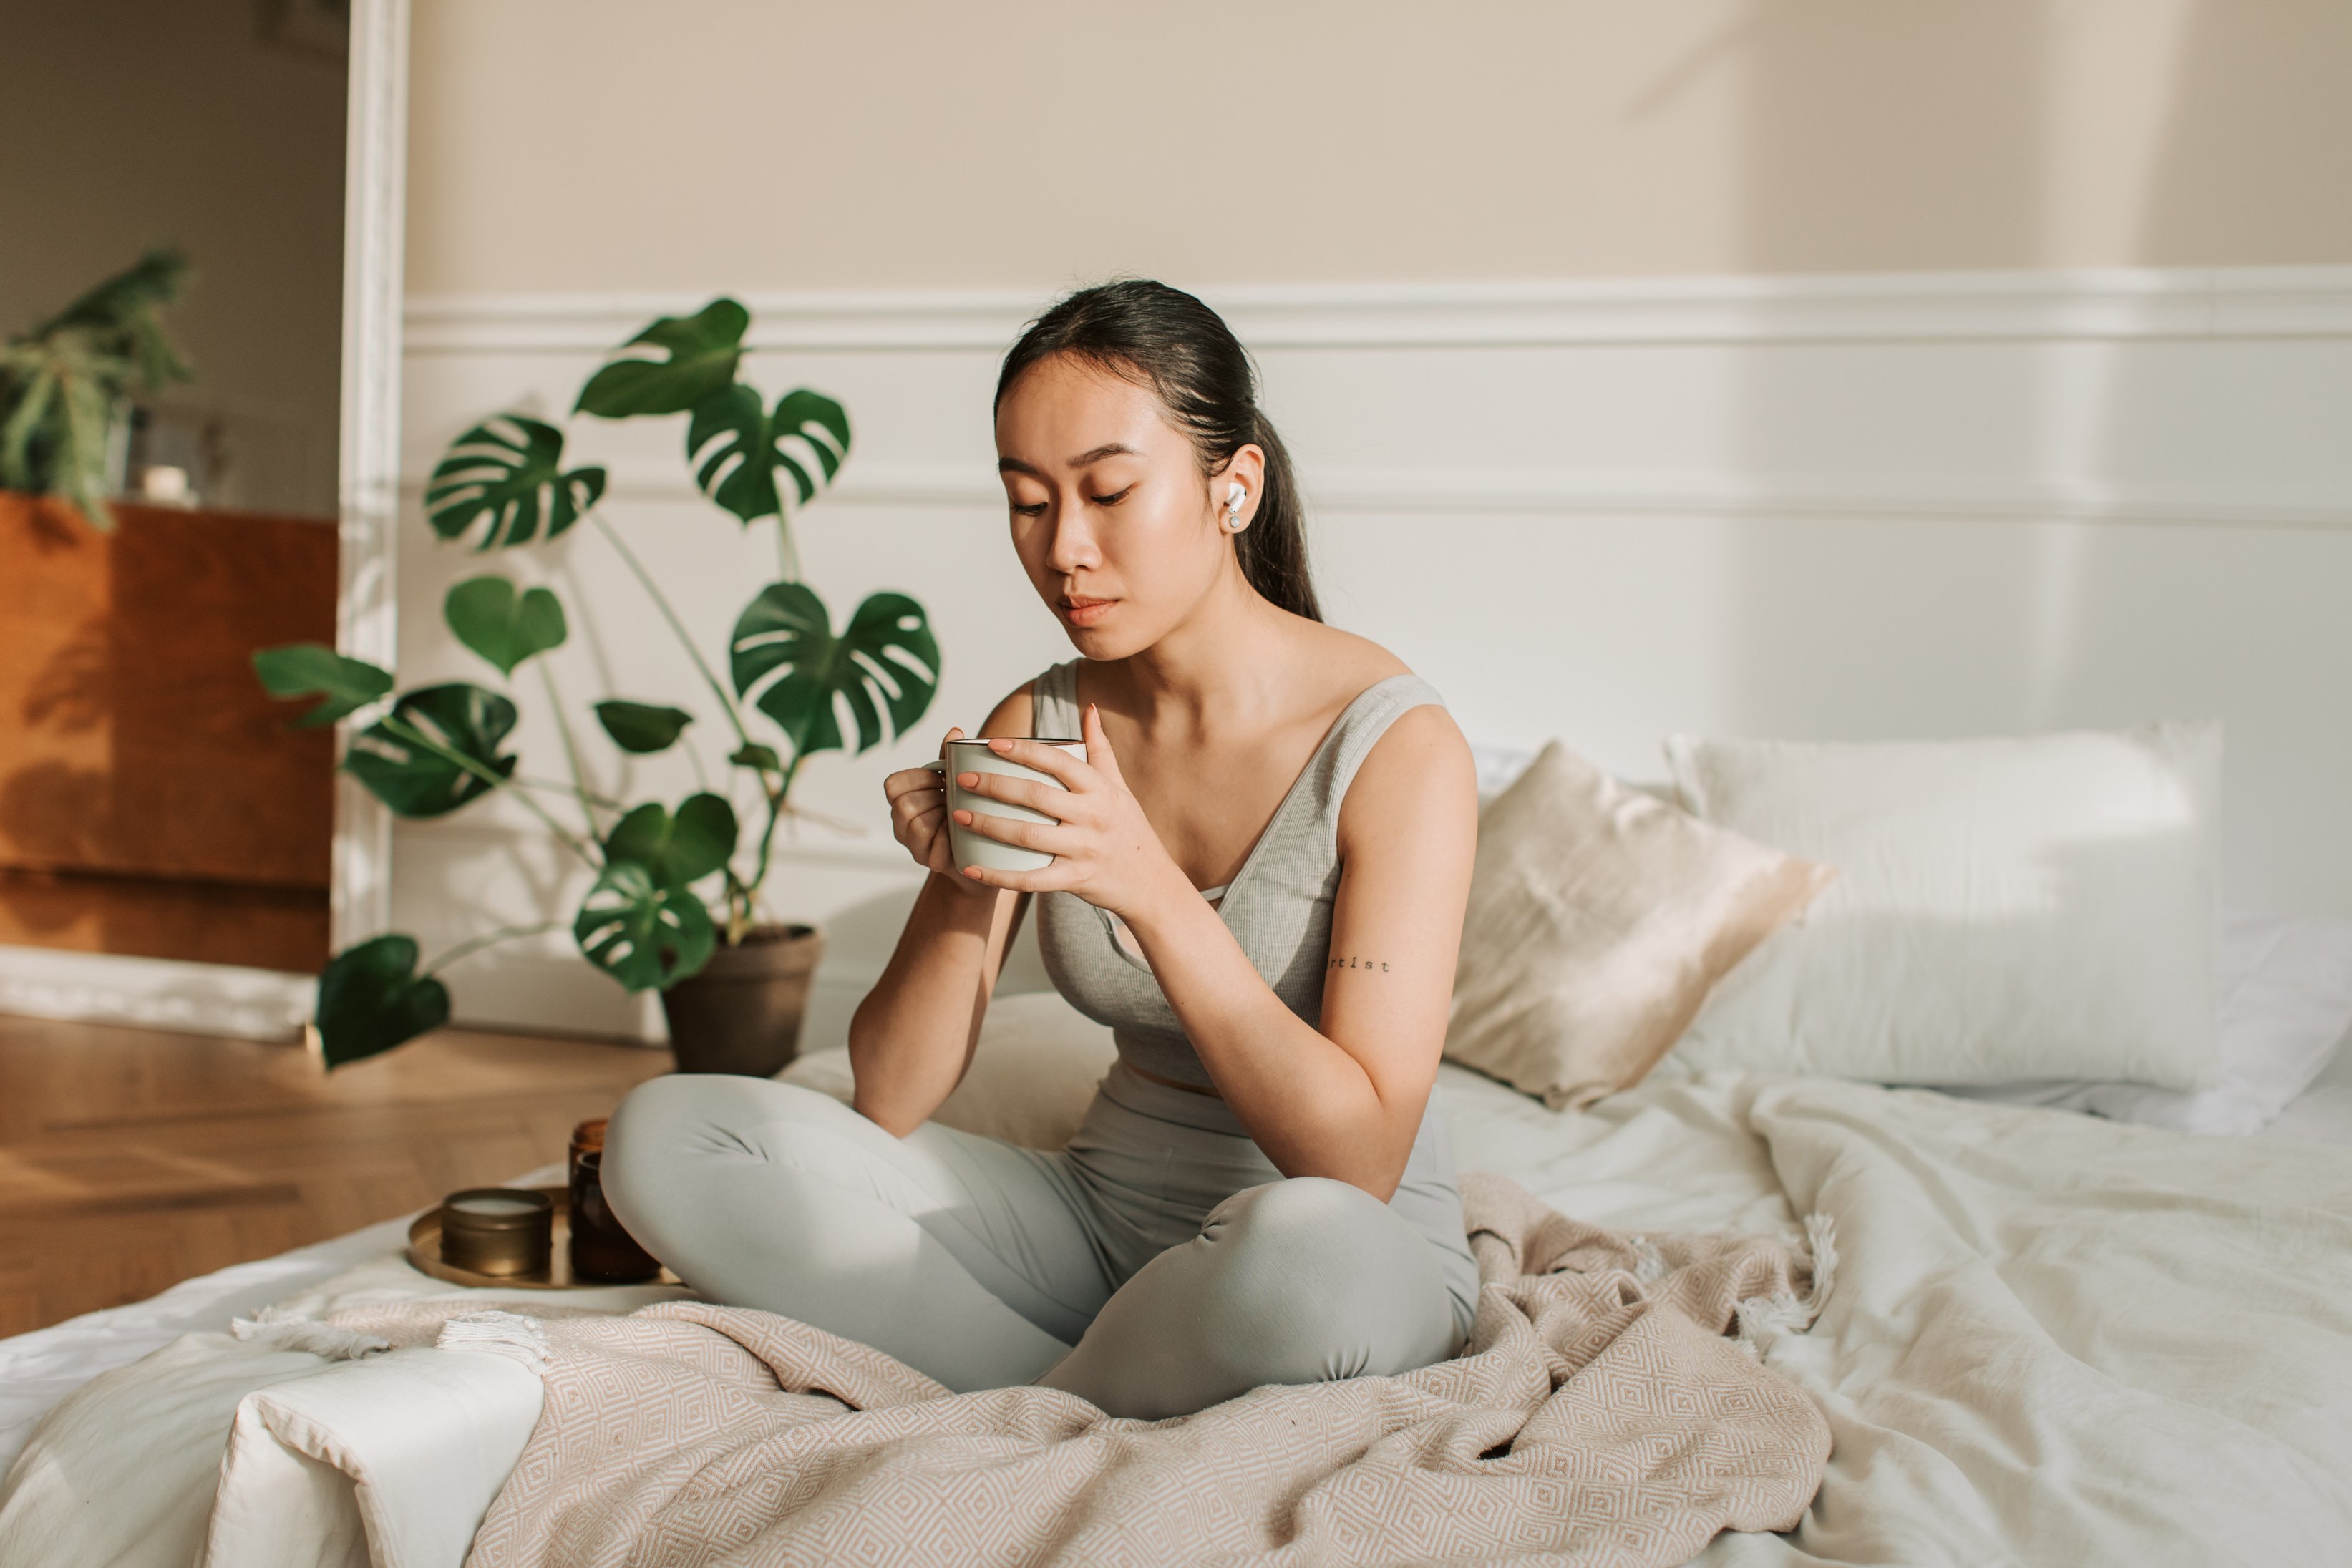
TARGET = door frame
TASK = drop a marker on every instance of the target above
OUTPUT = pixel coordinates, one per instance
(265, 1004)
(375, 212)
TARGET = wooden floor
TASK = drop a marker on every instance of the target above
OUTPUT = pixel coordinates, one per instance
(131, 1159)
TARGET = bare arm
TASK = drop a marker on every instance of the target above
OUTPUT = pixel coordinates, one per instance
(912, 1038)
(1344, 1099)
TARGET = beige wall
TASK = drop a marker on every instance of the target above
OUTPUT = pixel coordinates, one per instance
(133, 122)
(1949, 513)
(614, 144)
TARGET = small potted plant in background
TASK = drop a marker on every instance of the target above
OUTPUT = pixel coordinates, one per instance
(66, 386)
(676, 902)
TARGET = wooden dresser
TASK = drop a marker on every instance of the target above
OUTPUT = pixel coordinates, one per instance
(151, 800)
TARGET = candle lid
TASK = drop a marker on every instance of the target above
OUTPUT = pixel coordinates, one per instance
(495, 1209)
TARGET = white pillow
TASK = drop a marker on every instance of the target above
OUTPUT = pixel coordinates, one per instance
(2286, 1002)
(1032, 1075)
(2030, 908)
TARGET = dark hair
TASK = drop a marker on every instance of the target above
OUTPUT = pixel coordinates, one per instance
(1163, 338)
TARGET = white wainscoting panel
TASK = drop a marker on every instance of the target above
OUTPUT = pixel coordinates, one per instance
(1860, 507)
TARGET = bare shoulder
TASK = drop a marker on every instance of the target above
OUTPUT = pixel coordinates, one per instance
(1417, 775)
(1420, 764)
(1423, 751)
(1348, 662)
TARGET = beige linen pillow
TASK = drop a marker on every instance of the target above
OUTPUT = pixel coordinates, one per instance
(1600, 917)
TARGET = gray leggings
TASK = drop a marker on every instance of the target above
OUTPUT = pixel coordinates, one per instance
(1155, 1266)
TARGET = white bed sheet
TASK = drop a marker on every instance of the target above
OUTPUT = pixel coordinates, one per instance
(2322, 1113)
(1949, 1211)
(40, 1368)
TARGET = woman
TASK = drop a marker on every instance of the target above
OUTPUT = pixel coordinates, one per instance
(1258, 882)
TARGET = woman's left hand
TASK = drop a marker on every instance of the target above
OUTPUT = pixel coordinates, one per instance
(1104, 849)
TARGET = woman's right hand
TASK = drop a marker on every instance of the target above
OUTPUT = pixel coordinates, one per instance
(919, 819)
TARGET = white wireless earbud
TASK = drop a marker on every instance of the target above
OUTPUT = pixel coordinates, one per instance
(1235, 494)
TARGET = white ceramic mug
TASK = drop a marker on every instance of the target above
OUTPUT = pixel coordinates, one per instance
(971, 848)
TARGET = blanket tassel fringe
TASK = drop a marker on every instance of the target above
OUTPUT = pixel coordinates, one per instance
(509, 1334)
(272, 1329)
(1766, 1321)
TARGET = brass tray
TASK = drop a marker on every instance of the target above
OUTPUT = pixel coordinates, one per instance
(424, 1253)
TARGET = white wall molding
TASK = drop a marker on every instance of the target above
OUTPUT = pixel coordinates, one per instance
(2109, 305)
(153, 993)
(480, 829)
(1815, 507)
(1488, 491)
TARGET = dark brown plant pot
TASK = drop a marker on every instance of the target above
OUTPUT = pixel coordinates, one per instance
(743, 1012)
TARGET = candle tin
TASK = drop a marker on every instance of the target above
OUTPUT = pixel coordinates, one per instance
(497, 1231)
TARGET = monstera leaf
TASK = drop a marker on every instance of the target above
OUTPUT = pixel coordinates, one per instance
(417, 780)
(508, 474)
(501, 625)
(676, 850)
(643, 933)
(704, 349)
(371, 998)
(641, 727)
(300, 669)
(740, 473)
(785, 645)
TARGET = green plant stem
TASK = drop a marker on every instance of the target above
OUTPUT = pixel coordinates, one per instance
(661, 602)
(474, 945)
(788, 558)
(767, 838)
(739, 908)
(570, 749)
(404, 730)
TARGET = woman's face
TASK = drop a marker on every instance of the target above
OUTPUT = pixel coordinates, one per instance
(1115, 523)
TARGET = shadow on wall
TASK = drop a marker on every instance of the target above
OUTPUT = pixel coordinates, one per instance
(1842, 621)
(1923, 619)
(2250, 143)
(1878, 134)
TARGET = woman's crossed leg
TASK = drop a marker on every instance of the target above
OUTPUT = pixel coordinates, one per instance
(970, 1260)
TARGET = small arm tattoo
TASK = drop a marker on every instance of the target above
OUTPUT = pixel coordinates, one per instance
(1354, 962)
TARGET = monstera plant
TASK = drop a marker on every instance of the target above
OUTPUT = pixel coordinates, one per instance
(673, 884)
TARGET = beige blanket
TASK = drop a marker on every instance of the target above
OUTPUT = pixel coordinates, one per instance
(1601, 1414)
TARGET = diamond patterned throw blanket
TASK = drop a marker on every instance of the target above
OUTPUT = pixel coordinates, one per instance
(1602, 1414)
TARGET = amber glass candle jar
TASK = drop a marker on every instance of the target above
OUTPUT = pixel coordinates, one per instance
(601, 1249)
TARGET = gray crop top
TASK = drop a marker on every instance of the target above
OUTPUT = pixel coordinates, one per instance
(1278, 905)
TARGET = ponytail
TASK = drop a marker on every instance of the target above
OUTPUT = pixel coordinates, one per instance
(1274, 547)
